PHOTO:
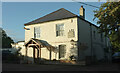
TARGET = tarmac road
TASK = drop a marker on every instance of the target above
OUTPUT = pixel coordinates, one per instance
(36, 67)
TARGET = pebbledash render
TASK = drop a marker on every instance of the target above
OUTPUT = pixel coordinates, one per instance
(62, 35)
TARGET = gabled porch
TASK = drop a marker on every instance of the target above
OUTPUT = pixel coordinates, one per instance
(36, 45)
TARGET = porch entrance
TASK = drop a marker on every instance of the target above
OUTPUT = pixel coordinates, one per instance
(36, 55)
(37, 45)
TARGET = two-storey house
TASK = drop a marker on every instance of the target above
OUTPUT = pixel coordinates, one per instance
(64, 35)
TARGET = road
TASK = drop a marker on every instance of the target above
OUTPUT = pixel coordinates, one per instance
(36, 67)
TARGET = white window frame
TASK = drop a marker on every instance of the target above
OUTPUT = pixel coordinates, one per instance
(59, 30)
(36, 32)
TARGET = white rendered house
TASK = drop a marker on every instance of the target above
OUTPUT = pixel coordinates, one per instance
(62, 34)
(19, 46)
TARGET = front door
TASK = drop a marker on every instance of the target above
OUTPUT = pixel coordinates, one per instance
(36, 55)
(62, 51)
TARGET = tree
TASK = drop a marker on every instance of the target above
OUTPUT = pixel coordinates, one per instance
(108, 17)
(6, 40)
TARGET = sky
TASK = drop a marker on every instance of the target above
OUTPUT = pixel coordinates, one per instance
(16, 14)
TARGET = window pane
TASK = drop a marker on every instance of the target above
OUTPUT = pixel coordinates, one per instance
(61, 33)
(36, 32)
(59, 29)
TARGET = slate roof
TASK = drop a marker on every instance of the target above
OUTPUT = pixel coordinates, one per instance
(56, 15)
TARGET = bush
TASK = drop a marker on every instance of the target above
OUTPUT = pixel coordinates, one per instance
(10, 58)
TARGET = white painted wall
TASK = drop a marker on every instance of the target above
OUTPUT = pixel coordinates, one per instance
(18, 45)
(48, 30)
(98, 45)
(45, 54)
(48, 33)
(85, 37)
(82, 35)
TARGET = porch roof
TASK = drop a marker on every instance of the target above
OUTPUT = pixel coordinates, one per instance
(40, 43)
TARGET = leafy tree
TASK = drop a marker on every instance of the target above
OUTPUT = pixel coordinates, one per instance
(6, 40)
(108, 16)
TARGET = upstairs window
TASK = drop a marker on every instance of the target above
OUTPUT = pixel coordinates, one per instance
(71, 33)
(36, 32)
(59, 29)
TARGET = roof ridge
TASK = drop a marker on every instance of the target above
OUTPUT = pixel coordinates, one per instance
(47, 15)
(36, 20)
(70, 12)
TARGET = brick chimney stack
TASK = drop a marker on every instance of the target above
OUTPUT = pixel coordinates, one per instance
(82, 12)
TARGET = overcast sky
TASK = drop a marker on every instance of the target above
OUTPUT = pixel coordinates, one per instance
(16, 14)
